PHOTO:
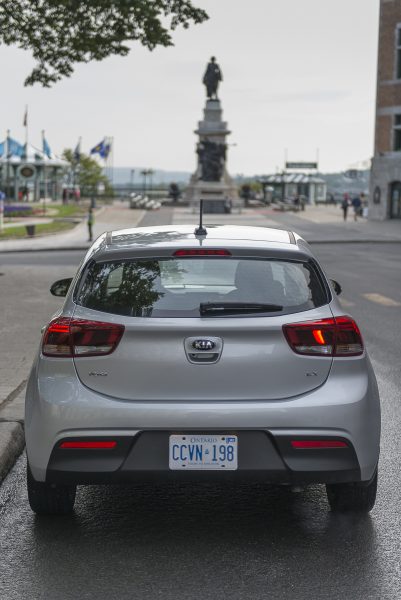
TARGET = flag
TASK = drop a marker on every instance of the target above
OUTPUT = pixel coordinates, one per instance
(77, 151)
(26, 117)
(106, 150)
(102, 148)
(46, 148)
(2, 148)
(98, 149)
(14, 148)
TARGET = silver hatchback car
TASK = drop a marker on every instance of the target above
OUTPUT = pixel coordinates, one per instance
(218, 356)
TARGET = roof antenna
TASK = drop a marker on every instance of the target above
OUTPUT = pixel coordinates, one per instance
(200, 230)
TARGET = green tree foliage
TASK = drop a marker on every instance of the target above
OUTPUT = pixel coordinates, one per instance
(88, 173)
(61, 33)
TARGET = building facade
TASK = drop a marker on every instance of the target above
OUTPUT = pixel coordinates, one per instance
(385, 184)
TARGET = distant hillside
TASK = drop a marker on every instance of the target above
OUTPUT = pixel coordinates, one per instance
(122, 176)
(336, 182)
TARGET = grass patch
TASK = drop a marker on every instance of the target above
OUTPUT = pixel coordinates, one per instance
(66, 210)
(12, 233)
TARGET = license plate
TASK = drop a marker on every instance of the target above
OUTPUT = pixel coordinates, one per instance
(203, 452)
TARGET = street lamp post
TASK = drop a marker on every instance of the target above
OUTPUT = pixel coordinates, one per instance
(144, 173)
(150, 173)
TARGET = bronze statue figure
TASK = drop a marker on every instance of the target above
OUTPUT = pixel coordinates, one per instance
(212, 78)
(212, 157)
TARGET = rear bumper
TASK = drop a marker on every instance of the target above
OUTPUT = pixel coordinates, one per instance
(347, 407)
(261, 456)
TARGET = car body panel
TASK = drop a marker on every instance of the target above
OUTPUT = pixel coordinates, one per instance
(151, 363)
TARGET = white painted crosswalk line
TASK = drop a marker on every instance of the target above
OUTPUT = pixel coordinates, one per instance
(383, 300)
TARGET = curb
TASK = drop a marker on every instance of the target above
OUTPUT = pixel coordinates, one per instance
(30, 250)
(367, 241)
(12, 438)
(12, 443)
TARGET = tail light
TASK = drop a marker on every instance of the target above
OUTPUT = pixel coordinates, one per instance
(317, 444)
(339, 336)
(65, 337)
(88, 445)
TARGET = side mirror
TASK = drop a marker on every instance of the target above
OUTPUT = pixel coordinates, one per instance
(61, 287)
(337, 287)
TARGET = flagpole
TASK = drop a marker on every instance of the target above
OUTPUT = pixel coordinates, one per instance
(26, 130)
(8, 163)
(44, 172)
(109, 141)
(76, 163)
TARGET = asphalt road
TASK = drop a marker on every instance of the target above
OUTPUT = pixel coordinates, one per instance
(207, 542)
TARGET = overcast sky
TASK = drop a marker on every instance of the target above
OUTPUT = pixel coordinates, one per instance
(298, 75)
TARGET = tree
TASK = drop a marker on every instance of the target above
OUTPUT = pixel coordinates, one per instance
(62, 33)
(89, 174)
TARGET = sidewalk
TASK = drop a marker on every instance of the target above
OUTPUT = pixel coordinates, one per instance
(317, 224)
(116, 216)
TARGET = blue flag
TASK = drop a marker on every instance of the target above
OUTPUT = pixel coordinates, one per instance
(2, 148)
(46, 148)
(15, 148)
(102, 148)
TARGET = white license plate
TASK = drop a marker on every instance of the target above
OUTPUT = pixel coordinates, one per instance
(204, 452)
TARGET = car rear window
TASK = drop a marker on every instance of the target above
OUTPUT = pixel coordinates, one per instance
(177, 287)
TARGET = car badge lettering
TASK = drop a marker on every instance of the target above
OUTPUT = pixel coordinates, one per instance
(203, 345)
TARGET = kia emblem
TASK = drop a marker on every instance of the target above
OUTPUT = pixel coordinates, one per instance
(203, 345)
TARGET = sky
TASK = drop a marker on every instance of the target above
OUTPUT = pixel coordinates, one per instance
(299, 78)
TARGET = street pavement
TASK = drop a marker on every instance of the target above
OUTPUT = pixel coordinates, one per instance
(115, 216)
(320, 223)
(205, 541)
(323, 224)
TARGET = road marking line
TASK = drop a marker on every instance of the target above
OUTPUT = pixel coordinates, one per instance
(346, 303)
(383, 300)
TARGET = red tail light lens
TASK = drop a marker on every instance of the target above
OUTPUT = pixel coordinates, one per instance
(67, 337)
(317, 444)
(87, 445)
(202, 252)
(329, 337)
(348, 337)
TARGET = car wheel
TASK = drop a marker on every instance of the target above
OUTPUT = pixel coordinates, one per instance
(352, 497)
(50, 499)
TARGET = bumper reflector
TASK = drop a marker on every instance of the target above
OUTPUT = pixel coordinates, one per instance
(316, 444)
(87, 445)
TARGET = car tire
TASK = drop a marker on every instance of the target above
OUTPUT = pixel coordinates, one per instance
(50, 499)
(352, 497)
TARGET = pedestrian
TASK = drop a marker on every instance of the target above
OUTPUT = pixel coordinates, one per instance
(91, 221)
(356, 203)
(344, 206)
(297, 202)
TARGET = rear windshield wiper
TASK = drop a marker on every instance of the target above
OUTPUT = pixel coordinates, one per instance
(219, 308)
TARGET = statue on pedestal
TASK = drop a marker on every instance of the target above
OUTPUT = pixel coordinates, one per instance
(212, 157)
(212, 78)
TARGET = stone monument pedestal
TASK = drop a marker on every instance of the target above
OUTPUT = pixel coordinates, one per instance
(211, 181)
